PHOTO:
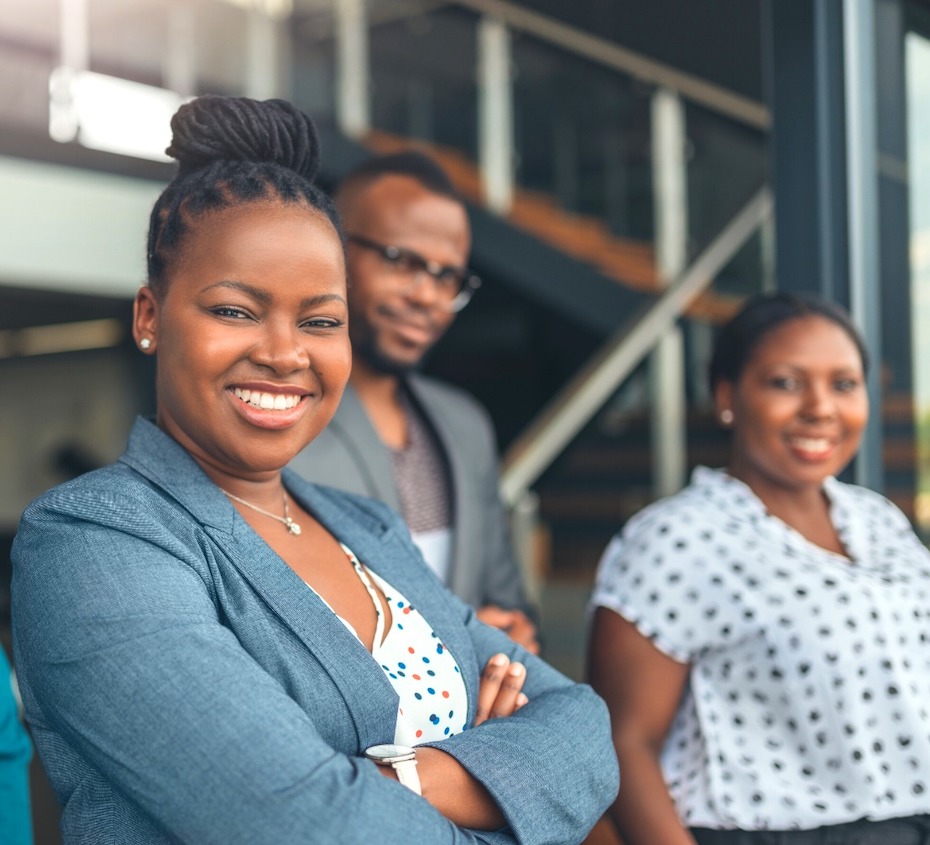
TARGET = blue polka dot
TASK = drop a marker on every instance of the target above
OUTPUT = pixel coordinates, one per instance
(446, 732)
(417, 696)
(426, 660)
(434, 718)
(400, 627)
(402, 665)
(439, 649)
(400, 604)
(402, 674)
(450, 713)
(456, 668)
(431, 691)
(431, 673)
(393, 675)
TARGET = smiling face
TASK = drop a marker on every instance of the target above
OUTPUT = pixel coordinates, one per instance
(251, 337)
(394, 323)
(799, 407)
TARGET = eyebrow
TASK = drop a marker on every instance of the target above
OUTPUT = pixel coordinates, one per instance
(265, 298)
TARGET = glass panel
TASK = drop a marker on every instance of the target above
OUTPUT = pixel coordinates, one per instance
(582, 136)
(917, 62)
(422, 67)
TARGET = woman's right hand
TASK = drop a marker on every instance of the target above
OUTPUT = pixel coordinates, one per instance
(500, 689)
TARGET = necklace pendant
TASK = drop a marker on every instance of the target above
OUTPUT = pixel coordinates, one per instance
(292, 526)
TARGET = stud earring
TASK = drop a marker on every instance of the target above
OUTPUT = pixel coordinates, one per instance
(726, 416)
(145, 344)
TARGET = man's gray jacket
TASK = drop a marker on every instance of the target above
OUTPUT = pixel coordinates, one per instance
(349, 455)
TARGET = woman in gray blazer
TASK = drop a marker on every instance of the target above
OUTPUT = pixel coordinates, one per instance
(213, 651)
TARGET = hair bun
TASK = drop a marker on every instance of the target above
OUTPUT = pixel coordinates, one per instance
(214, 128)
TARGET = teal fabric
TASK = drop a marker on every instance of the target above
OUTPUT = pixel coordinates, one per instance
(15, 753)
(184, 685)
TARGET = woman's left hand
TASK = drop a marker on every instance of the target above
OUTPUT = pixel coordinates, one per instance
(500, 689)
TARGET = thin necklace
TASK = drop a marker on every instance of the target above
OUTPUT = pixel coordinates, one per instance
(285, 520)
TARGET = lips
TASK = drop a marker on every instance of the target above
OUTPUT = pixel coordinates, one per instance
(269, 408)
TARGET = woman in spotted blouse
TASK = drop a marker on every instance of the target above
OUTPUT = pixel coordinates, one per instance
(762, 638)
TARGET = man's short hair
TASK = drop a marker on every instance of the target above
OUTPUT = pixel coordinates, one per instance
(412, 163)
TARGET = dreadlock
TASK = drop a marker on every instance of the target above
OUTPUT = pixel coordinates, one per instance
(231, 151)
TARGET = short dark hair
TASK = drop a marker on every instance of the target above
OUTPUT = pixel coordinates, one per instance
(231, 151)
(412, 163)
(761, 314)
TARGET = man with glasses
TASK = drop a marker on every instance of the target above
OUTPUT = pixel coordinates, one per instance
(422, 446)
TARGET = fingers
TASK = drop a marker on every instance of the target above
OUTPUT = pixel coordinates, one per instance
(495, 616)
(523, 632)
(500, 689)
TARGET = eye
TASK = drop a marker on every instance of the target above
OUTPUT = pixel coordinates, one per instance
(846, 385)
(230, 312)
(784, 383)
(450, 278)
(322, 323)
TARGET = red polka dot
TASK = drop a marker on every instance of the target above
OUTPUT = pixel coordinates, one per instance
(406, 610)
(445, 693)
(415, 677)
(419, 733)
(410, 649)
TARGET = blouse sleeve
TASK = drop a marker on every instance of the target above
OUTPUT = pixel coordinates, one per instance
(668, 573)
(125, 661)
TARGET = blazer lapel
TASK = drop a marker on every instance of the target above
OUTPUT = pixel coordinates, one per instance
(466, 521)
(353, 427)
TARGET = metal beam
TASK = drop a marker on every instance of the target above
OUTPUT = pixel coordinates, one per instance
(574, 406)
(495, 115)
(604, 52)
(862, 191)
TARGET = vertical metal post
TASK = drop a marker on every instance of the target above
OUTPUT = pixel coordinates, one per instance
(352, 105)
(262, 79)
(862, 191)
(524, 530)
(495, 114)
(667, 383)
(179, 66)
(74, 36)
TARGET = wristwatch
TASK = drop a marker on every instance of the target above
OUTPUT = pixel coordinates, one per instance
(402, 759)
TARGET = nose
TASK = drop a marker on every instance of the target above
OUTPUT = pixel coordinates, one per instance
(819, 401)
(424, 290)
(280, 348)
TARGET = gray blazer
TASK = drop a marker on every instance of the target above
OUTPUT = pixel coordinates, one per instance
(349, 455)
(184, 685)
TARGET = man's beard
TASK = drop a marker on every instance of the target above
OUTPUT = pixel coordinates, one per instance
(368, 350)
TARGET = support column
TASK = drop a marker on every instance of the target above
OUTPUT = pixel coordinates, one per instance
(353, 115)
(666, 364)
(862, 189)
(495, 114)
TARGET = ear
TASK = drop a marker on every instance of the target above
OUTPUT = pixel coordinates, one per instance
(145, 312)
(723, 397)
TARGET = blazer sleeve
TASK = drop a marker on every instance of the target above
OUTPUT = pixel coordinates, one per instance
(125, 658)
(551, 766)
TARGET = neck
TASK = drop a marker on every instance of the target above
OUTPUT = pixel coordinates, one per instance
(795, 506)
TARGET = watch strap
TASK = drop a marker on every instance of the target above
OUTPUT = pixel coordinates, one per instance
(407, 775)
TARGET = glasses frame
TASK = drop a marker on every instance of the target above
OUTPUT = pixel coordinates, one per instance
(470, 282)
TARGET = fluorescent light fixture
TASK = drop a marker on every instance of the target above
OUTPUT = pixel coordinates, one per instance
(111, 114)
(63, 337)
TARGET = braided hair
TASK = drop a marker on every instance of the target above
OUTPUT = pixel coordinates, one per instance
(232, 151)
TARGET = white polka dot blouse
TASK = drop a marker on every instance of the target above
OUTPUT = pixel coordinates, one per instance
(809, 694)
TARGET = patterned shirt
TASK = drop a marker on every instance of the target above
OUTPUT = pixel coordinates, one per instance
(424, 488)
(809, 694)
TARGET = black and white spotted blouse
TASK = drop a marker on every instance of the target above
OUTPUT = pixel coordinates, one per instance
(809, 695)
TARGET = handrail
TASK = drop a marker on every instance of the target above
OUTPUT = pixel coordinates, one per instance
(601, 51)
(546, 437)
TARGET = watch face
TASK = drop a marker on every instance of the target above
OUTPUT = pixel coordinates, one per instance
(390, 753)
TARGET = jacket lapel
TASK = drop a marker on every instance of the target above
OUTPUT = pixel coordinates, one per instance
(465, 520)
(352, 426)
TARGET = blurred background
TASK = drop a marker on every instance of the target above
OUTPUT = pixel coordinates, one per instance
(634, 168)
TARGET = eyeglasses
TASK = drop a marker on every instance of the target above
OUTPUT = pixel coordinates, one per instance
(455, 285)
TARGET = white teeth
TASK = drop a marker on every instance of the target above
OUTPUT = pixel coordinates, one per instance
(811, 444)
(267, 401)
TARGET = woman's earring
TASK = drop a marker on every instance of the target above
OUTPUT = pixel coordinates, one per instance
(145, 344)
(726, 416)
